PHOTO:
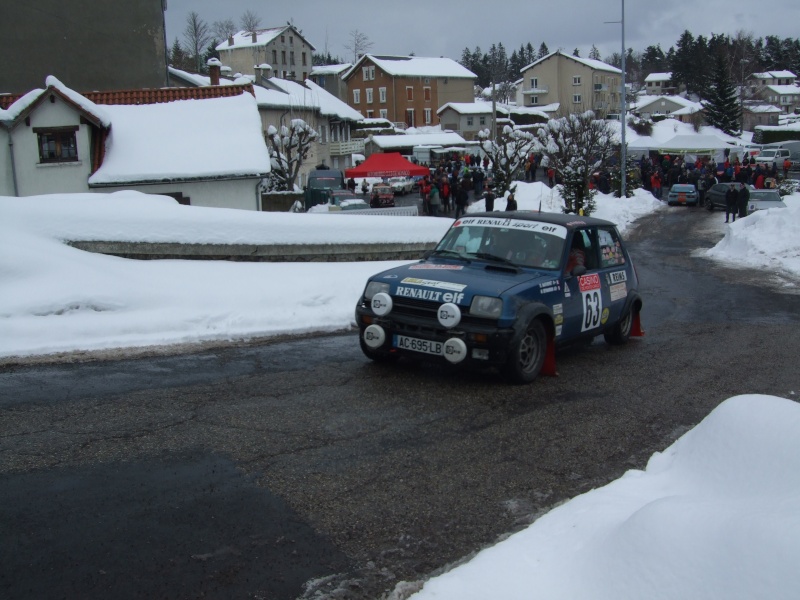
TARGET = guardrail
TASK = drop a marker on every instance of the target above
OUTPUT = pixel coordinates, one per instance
(397, 211)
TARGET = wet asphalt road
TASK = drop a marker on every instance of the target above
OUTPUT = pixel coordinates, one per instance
(299, 469)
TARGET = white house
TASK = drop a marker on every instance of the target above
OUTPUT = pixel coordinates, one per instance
(659, 84)
(204, 151)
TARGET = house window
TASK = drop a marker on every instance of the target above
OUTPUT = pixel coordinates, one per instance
(304, 59)
(323, 134)
(576, 80)
(321, 80)
(283, 39)
(57, 144)
(370, 114)
(369, 95)
(534, 99)
(365, 73)
(382, 95)
(427, 116)
(470, 121)
(372, 73)
(534, 83)
(576, 98)
(274, 57)
(356, 96)
(291, 57)
(283, 57)
(409, 93)
(483, 120)
(427, 93)
(291, 39)
(410, 117)
(384, 113)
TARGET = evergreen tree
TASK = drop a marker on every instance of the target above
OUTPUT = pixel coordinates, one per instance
(543, 51)
(178, 58)
(722, 108)
(530, 54)
(594, 53)
(576, 52)
(653, 60)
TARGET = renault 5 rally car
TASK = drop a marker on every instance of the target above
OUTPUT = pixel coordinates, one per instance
(503, 290)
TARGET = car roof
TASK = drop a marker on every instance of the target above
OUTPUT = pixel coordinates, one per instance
(682, 185)
(568, 221)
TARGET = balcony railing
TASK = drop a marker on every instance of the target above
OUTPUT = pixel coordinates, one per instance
(539, 89)
(348, 147)
(600, 87)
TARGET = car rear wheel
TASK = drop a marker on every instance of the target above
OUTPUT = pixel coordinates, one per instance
(621, 332)
(527, 354)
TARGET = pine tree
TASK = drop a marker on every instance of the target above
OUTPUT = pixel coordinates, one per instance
(543, 51)
(722, 109)
(576, 52)
(594, 53)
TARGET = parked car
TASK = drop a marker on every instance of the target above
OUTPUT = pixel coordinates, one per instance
(715, 195)
(382, 196)
(401, 185)
(767, 156)
(764, 199)
(503, 290)
(682, 193)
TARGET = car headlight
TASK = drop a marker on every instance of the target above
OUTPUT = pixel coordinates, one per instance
(373, 287)
(486, 306)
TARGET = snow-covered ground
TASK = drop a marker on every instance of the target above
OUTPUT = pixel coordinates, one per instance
(716, 515)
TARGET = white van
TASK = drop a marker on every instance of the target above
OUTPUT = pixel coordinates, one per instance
(767, 156)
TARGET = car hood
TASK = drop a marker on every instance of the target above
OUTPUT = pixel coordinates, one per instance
(457, 282)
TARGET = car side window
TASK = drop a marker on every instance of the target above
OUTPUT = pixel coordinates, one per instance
(585, 241)
(610, 248)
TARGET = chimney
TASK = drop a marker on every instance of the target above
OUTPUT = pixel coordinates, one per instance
(214, 67)
(254, 37)
(264, 71)
(230, 40)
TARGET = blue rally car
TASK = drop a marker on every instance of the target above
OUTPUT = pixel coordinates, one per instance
(504, 289)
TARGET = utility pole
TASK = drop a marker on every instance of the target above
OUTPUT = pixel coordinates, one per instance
(623, 149)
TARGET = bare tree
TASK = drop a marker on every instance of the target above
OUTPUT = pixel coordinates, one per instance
(288, 149)
(196, 36)
(507, 154)
(359, 44)
(222, 30)
(574, 145)
(250, 22)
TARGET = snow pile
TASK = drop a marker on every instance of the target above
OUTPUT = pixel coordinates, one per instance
(716, 515)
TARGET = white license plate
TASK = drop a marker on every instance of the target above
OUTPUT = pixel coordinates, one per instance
(424, 346)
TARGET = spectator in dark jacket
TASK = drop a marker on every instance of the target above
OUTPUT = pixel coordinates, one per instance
(742, 198)
(731, 199)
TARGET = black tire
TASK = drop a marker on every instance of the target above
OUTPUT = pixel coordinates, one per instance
(380, 355)
(709, 204)
(527, 353)
(620, 333)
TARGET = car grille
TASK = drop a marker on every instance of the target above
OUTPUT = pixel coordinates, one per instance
(423, 309)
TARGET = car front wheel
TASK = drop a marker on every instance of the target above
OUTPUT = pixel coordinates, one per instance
(527, 354)
(709, 204)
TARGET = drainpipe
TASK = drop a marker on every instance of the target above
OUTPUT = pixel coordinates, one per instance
(13, 163)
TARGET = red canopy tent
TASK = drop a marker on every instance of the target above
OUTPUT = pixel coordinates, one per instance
(388, 164)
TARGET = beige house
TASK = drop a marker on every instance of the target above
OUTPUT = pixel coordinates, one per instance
(577, 84)
(659, 84)
(754, 114)
(284, 49)
(648, 107)
(329, 78)
(407, 90)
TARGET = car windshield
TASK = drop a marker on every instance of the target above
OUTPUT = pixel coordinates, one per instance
(513, 241)
(682, 187)
(319, 183)
(765, 196)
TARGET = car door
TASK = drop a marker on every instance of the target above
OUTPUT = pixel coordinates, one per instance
(585, 295)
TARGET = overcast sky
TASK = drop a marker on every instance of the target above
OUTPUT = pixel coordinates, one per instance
(445, 29)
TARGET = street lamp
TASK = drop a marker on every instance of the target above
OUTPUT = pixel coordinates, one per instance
(623, 151)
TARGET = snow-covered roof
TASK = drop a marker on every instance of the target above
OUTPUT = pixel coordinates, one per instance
(773, 75)
(183, 140)
(784, 90)
(386, 142)
(598, 65)
(284, 93)
(415, 66)
(472, 108)
(761, 108)
(538, 111)
(244, 39)
(659, 77)
(330, 69)
(24, 102)
(646, 101)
